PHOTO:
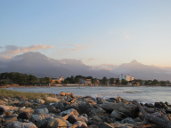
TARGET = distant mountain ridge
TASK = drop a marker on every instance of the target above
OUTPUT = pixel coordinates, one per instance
(141, 71)
(40, 65)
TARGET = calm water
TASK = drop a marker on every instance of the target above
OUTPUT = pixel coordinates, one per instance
(142, 94)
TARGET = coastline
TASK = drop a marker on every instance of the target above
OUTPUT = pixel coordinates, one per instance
(75, 85)
(67, 110)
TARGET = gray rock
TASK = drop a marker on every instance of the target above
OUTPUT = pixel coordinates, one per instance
(40, 101)
(24, 115)
(53, 109)
(128, 120)
(60, 105)
(127, 109)
(57, 123)
(79, 124)
(40, 119)
(96, 110)
(116, 115)
(83, 108)
(107, 106)
(17, 124)
(100, 100)
(42, 111)
(168, 110)
(105, 125)
(9, 119)
(70, 112)
(72, 119)
(2, 110)
(113, 100)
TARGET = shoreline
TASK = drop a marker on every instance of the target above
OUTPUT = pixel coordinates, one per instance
(71, 111)
(74, 85)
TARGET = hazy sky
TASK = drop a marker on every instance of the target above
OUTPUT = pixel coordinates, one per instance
(95, 31)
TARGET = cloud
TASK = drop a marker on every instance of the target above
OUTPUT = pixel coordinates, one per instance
(11, 50)
(72, 48)
(77, 47)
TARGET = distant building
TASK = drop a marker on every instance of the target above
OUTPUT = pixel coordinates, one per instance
(96, 82)
(57, 80)
(86, 81)
(126, 77)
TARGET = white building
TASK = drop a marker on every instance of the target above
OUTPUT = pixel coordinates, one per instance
(126, 77)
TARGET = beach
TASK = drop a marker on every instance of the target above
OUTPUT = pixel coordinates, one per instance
(67, 110)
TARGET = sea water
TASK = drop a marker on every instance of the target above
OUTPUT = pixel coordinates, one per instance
(141, 94)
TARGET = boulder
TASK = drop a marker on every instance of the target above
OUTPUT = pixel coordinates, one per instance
(72, 119)
(83, 107)
(127, 109)
(128, 120)
(93, 126)
(42, 111)
(51, 99)
(105, 125)
(28, 110)
(2, 102)
(96, 110)
(8, 108)
(40, 101)
(168, 110)
(160, 105)
(95, 119)
(66, 94)
(24, 116)
(116, 115)
(9, 119)
(17, 124)
(40, 119)
(57, 123)
(89, 100)
(100, 100)
(70, 112)
(150, 105)
(149, 109)
(107, 106)
(82, 118)
(53, 109)
(2, 110)
(62, 106)
(169, 116)
(120, 125)
(79, 124)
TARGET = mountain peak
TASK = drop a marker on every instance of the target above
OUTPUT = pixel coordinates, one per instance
(30, 55)
(134, 62)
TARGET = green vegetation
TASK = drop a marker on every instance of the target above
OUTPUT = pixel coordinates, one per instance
(31, 80)
(22, 79)
(114, 81)
(10, 93)
(77, 79)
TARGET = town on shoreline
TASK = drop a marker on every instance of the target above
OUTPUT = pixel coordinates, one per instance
(15, 79)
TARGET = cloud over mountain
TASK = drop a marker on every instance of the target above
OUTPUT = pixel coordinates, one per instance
(41, 65)
(11, 50)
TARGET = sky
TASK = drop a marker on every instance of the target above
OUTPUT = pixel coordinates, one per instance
(94, 31)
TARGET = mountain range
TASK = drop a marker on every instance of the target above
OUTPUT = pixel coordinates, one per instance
(40, 65)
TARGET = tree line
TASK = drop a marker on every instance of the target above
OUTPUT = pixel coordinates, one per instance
(22, 79)
(115, 81)
(27, 79)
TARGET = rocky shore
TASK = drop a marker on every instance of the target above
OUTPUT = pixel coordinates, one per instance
(66, 110)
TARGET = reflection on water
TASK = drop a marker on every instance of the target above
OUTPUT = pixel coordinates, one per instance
(143, 94)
